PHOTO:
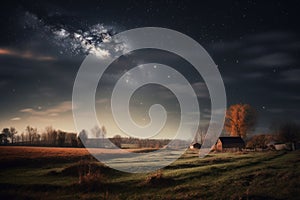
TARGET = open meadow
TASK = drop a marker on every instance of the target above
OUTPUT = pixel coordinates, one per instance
(72, 173)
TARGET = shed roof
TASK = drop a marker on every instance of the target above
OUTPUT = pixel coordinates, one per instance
(228, 142)
(196, 145)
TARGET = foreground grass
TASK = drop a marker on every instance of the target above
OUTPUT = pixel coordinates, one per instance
(269, 175)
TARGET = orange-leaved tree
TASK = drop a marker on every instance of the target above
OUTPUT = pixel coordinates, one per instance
(240, 119)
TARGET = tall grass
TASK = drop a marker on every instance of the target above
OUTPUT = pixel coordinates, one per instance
(89, 176)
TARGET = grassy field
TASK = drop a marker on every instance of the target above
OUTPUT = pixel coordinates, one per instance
(71, 173)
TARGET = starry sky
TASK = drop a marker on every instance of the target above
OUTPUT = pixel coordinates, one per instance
(42, 45)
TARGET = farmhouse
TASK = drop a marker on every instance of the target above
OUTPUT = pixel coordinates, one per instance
(225, 144)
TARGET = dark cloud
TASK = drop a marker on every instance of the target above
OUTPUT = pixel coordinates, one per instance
(291, 76)
(271, 60)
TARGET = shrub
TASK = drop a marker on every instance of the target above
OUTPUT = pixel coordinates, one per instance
(157, 179)
(90, 177)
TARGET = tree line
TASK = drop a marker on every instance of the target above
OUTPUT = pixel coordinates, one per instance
(58, 138)
(240, 121)
(31, 136)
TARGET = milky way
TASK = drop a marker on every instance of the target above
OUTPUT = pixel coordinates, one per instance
(86, 41)
(90, 41)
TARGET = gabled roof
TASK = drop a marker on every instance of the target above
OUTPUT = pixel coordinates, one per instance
(228, 142)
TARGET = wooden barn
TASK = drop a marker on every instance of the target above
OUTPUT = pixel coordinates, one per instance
(229, 144)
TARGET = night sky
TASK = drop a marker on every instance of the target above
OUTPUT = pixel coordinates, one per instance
(254, 43)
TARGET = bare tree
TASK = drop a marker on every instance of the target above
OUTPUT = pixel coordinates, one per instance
(44, 138)
(49, 131)
(104, 132)
(22, 137)
(240, 119)
(61, 137)
(13, 131)
(99, 132)
(18, 138)
(96, 131)
(32, 134)
(53, 137)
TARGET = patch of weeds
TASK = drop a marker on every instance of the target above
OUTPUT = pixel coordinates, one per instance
(157, 179)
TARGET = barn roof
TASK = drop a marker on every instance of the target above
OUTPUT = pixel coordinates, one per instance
(228, 142)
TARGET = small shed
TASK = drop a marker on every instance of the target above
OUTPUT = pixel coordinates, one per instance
(281, 146)
(229, 144)
(195, 146)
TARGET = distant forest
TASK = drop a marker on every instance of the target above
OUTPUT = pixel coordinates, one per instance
(57, 138)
